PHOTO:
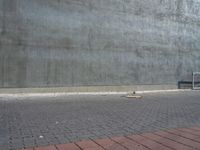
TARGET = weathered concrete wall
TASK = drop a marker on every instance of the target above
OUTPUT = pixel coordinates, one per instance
(98, 42)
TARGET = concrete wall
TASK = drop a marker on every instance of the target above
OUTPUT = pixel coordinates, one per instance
(48, 43)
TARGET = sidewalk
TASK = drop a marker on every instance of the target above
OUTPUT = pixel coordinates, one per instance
(174, 139)
(41, 121)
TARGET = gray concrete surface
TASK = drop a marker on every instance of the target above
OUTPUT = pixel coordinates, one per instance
(23, 121)
(85, 89)
(52, 43)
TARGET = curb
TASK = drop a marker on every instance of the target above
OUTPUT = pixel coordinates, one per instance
(163, 91)
(61, 94)
(18, 95)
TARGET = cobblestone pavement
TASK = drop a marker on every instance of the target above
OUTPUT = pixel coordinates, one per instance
(32, 122)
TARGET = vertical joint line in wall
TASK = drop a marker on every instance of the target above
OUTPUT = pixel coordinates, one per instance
(4, 18)
(90, 39)
(2, 67)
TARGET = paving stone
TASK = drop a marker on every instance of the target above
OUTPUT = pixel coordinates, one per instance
(88, 145)
(148, 143)
(73, 118)
(28, 149)
(197, 133)
(179, 139)
(185, 134)
(167, 142)
(129, 144)
(109, 144)
(46, 148)
(196, 128)
(70, 146)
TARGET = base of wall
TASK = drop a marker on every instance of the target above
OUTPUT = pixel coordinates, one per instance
(89, 89)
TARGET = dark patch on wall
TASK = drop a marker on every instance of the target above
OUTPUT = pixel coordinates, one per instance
(66, 42)
(108, 45)
(90, 39)
(21, 72)
(2, 71)
(48, 73)
(139, 11)
(139, 53)
(10, 6)
(180, 7)
(4, 18)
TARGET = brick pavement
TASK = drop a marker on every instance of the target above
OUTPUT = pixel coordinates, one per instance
(162, 140)
(32, 122)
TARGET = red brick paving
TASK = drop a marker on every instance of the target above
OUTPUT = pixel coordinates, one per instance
(196, 128)
(108, 144)
(185, 134)
(197, 133)
(173, 139)
(167, 142)
(179, 139)
(46, 148)
(89, 145)
(129, 144)
(148, 143)
(70, 146)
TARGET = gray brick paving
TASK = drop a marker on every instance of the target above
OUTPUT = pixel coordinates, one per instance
(28, 122)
